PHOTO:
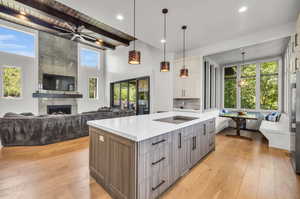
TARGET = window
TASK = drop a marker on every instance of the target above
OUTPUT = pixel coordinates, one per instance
(248, 86)
(93, 88)
(269, 86)
(133, 94)
(11, 82)
(117, 94)
(210, 85)
(252, 86)
(230, 87)
(124, 94)
(89, 58)
(16, 42)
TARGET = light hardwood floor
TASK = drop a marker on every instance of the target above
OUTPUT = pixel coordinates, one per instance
(238, 169)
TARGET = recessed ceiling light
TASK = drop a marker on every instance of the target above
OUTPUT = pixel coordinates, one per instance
(163, 41)
(243, 9)
(120, 17)
(23, 13)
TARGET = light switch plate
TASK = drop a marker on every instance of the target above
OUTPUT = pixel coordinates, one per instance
(101, 138)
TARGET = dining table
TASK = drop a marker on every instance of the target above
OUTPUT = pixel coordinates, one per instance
(239, 120)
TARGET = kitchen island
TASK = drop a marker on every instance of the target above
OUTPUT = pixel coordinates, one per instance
(139, 157)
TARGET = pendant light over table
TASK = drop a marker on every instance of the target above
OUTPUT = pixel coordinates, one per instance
(184, 72)
(165, 65)
(134, 55)
(242, 82)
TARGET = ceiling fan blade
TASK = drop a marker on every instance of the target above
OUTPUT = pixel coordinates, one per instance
(80, 28)
(64, 34)
(63, 29)
(88, 33)
(72, 28)
(88, 37)
(74, 37)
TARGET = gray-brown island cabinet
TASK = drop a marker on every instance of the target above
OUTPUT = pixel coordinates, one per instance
(144, 170)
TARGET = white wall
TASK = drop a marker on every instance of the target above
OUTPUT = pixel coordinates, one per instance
(161, 86)
(84, 73)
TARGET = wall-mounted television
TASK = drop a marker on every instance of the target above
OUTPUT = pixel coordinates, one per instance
(58, 82)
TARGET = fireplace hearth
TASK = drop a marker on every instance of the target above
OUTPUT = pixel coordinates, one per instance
(59, 109)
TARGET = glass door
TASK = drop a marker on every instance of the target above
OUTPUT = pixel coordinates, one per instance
(143, 96)
(124, 95)
(132, 94)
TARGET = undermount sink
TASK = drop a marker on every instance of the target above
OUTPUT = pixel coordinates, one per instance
(176, 119)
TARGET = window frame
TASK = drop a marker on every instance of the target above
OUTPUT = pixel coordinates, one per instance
(257, 89)
(2, 84)
(97, 88)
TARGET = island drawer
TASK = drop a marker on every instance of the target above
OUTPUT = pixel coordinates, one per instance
(153, 145)
(151, 163)
(153, 186)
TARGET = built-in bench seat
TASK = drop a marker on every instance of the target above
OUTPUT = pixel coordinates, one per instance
(277, 133)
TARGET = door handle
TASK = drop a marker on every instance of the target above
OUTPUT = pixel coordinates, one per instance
(161, 141)
(154, 188)
(194, 142)
(179, 144)
(158, 161)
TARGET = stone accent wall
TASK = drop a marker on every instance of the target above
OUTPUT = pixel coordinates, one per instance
(57, 56)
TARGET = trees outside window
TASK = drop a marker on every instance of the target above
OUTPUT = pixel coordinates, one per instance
(269, 86)
(93, 88)
(11, 82)
(258, 81)
(230, 91)
(248, 90)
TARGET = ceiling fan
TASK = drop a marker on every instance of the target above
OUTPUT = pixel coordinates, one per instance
(76, 33)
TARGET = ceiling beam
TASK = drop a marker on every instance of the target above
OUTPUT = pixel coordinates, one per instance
(61, 15)
(40, 22)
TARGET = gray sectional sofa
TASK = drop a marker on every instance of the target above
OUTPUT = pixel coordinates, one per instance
(29, 130)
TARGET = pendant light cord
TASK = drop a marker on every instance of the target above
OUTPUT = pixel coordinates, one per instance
(183, 48)
(165, 35)
(134, 24)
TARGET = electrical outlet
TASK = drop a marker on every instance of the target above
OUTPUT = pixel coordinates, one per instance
(101, 138)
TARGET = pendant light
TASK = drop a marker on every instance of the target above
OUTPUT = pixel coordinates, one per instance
(165, 65)
(184, 72)
(242, 82)
(134, 55)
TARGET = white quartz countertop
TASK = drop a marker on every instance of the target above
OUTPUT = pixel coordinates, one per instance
(142, 127)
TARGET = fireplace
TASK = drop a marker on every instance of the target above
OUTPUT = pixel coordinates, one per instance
(59, 109)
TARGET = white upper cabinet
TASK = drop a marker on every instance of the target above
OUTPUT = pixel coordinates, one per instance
(187, 87)
(297, 44)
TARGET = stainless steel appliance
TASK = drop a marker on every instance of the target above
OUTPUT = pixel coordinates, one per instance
(295, 122)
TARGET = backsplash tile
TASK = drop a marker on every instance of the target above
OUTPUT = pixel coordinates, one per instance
(187, 103)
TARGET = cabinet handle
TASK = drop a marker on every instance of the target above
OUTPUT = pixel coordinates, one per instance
(194, 143)
(158, 161)
(156, 187)
(179, 144)
(161, 141)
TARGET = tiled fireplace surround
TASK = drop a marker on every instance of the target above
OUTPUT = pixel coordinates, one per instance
(57, 56)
